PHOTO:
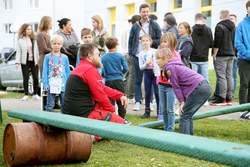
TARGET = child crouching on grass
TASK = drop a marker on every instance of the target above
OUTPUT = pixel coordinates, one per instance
(55, 73)
(191, 89)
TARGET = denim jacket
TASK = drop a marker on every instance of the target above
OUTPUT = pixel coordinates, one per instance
(154, 32)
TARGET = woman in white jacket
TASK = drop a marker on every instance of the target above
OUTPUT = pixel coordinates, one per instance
(27, 56)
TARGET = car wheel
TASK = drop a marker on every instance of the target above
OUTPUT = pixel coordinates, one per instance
(1, 86)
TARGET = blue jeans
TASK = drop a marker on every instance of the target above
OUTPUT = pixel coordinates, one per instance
(138, 79)
(235, 70)
(194, 101)
(149, 80)
(167, 100)
(51, 101)
(201, 68)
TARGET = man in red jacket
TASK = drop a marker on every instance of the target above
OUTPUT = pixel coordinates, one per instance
(85, 94)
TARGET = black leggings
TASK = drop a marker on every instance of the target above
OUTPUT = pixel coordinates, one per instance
(30, 66)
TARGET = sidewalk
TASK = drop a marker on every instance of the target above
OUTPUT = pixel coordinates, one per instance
(17, 104)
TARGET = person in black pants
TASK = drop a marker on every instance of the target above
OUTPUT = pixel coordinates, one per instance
(114, 66)
(27, 56)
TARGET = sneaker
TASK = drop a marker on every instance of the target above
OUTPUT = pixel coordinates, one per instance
(137, 106)
(176, 112)
(229, 102)
(245, 115)
(25, 98)
(36, 97)
(151, 107)
(127, 122)
(131, 101)
(206, 104)
(159, 117)
(219, 102)
(213, 98)
(146, 115)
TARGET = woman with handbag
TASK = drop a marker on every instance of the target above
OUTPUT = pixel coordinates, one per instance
(70, 40)
(99, 33)
(27, 56)
(185, 45)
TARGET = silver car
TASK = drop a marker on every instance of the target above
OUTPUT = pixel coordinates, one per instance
(10, 76)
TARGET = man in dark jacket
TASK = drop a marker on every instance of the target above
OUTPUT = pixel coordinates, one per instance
(223, 54)
(203, 40)
(150, 27)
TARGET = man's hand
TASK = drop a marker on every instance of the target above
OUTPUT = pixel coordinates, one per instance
(124, 101)
(181, 108)
(214, 56)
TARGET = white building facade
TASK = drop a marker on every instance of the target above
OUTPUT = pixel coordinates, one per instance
(113, 12)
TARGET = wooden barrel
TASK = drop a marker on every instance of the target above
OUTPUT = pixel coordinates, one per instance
(28, 144)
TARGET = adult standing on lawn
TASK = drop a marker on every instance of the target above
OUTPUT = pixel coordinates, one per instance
(223, 54)
(242, 44)
(27, 56)
(43, 40)
(99, 33)
(143, 26)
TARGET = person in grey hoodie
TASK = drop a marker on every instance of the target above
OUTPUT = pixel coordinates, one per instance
(191, 89)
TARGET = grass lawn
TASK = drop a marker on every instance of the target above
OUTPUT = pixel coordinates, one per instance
(114, 153)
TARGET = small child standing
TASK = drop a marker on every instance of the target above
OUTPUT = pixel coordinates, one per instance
(114, 66)
(166, 93)
(55, 72)
(146, 63)
(86, 37)
(191, 89)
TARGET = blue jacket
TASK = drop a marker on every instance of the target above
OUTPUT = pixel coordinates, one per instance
(49, 71)
(242, 39)
(186, 49)
(114, 66)
(154, 32)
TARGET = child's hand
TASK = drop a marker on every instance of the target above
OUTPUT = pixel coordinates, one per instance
(181, 107)
(46, 90)
(149, 61)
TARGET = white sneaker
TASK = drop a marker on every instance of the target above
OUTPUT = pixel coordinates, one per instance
(151, 107)
(177, 111)
(131, 101)
(137, 106)
(36, 97)
(25, 98)
(206, 104)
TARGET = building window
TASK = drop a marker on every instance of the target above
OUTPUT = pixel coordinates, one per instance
(7, 28)
(34, 26)
(131, 9)
(176, 5)
(153, 6)
(206, 10)
(8, 4)
(112, 22)
(33, 3)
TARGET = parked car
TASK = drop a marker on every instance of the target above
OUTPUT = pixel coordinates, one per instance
(10, 76)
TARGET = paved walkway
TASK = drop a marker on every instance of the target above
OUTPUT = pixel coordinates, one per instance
(17, 104)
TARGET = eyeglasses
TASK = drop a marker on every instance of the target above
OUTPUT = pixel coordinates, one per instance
(98, 53)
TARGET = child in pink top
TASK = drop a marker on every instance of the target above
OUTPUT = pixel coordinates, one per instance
(166, 93)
